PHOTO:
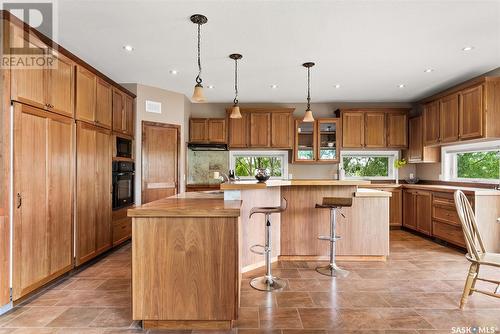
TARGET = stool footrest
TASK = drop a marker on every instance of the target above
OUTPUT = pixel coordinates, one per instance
(264, 249)
(327, 237)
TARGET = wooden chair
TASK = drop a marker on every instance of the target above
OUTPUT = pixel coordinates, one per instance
(476, 253)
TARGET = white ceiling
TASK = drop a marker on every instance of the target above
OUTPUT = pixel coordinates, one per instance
(368, 47)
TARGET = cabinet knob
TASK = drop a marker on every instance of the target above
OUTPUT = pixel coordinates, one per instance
(19, 200)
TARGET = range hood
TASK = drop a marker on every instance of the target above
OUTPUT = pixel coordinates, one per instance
(207, 147)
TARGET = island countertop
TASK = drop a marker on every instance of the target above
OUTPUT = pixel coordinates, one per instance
(252, 184)
(192, 204)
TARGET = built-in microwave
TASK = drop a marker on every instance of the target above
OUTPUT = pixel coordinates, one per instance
(123, 147)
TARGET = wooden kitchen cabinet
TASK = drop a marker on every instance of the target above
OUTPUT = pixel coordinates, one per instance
(417, 152)
(305, 141)
(417, 210)
(260, 129)
(375, 134)
(85, 95)
(431, 123)
(396, 208)
(448, 119)
(123, 113)
(471, 113)
(328, 137)
(207, 130)
(217, 130)
(104, 103)
(353, 129)
(238, 131)
(397, 129)
(93, 185)
(60, 86)
(281, 130)
(409, 209)
(43, 198)
(129, 116)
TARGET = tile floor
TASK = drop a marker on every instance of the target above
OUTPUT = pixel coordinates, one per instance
(416, 291)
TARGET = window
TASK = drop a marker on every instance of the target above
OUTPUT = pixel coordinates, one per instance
(245, 163)
(373, 165)
(477, 162)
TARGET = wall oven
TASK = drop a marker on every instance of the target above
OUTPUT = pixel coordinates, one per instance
(123, 184)
(123, 147)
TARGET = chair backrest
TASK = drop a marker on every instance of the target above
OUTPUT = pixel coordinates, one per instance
(473, 240)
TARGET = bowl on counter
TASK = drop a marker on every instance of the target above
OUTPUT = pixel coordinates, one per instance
(262, 175)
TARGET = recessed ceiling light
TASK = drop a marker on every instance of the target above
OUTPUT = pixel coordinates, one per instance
(174, 72)
(210, 86)
(273, 86)
(467, 48)
(337, 86)
(429, 70)
(128, 48)
(401, 85)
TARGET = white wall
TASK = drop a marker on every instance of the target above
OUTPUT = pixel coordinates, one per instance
(174, 110)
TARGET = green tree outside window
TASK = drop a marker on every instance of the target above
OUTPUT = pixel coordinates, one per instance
(366, 166)
(246, 165)
(478, 165)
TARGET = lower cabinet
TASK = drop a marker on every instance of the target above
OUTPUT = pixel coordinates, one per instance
(417, 210)
(43, 198)
(445, 221)
(122, 226)
(93, 192)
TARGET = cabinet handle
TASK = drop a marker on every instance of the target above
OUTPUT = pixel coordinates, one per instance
(19, 200)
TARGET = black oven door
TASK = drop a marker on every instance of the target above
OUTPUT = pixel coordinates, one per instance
(123, 189)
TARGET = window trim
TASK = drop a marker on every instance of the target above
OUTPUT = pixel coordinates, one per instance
(449, 160)
(392, 155)
(283, 154)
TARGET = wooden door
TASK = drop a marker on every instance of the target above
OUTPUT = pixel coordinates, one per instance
(198, 130)
(128, 114)
(85, 95)
(118, 106)
(409, 209)
(415, 139)
(397, 129)
(217, 130)
(448, 118)
(104, 103)
(103, 190)
(353, 129)
(160, 160)
(431, 123)
(281, 130)
(86, 199)
(423, 212)
(238, 131)
(395, 208)
(471, 113)
(375, 135)
(260, 129)
(60, 86)
(43, 202)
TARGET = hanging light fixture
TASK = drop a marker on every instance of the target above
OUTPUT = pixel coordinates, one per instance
(198, 88)
(235, 111)
(308, 116)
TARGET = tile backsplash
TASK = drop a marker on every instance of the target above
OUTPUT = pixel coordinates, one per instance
(201, 166)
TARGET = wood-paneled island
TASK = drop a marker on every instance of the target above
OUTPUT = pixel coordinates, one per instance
(189, 250)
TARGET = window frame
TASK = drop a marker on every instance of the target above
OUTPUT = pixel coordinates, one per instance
(392, 155)
(282, 154)
(449, 160)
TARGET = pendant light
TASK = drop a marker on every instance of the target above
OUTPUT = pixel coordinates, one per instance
(198, 95)
(308, 116)
(235, 111)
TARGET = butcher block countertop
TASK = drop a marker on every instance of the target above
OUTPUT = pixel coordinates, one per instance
(437, 187)
(192, 204)
(242, 185)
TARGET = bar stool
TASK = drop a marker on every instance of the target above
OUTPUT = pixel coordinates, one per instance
(268, 282)
(333, 203)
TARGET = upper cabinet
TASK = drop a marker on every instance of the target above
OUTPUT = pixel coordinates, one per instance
(123, 112)
(207, 130)
(374, 128)
(317, 141)
(468, 111)
(85, 94)
(417, 152)
(104, 103)
(261, 128)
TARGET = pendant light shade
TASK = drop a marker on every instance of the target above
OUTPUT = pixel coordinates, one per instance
(198, 95)
(235, 111)
(308, 116)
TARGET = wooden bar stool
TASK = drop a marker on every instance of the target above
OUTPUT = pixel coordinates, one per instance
(333, 203)
(268, 282)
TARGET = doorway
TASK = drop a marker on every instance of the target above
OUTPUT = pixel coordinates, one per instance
(160, 160)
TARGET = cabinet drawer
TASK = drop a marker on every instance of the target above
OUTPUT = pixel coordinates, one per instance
(446, 213)
(122, 230)
(450, 233)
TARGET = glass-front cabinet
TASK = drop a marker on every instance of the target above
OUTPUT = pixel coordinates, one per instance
(317, 141)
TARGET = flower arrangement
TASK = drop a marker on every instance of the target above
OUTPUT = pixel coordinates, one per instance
(399, 163)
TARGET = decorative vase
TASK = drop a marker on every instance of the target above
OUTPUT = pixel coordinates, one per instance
(262, 175)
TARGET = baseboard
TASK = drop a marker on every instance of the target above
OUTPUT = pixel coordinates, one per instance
(257, 265)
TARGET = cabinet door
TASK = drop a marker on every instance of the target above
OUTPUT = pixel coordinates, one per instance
(375, 135)
(85, 95)
(260, 129)
(281, 130)
(328, 133)
(423, 212)
(397, 130)
(60, 86)
(238, 131)
(305, 141)
(118, 106)
(448, 118)
(431, 123)
(415, 136)
(353, 129)
(129, 115)
(217, 130)
(86, 199)
(103, 191)
(471, 113)
(198, 130)
(395, 208)
(104, 103)
(409, 202)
